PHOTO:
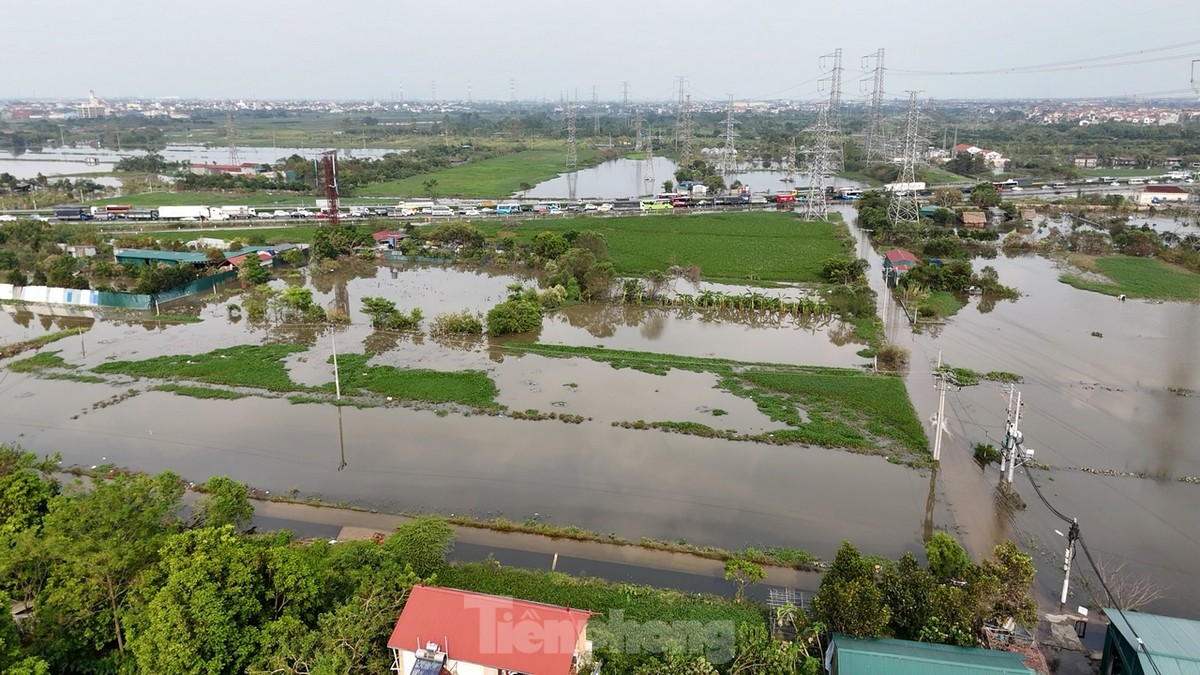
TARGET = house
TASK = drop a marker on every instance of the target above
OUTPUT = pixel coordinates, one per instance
(237, 262)
(877, 656)
(896, 262)
(1145, 644)
(447, 630)
(1159, 194)
(1086, 161)
(78, 250)
(388, 238)
(975, 220)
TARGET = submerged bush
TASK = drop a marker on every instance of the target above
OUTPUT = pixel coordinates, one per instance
(458, 323)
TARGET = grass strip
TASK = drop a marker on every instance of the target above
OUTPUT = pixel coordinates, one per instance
(200, 392)
(11, 350)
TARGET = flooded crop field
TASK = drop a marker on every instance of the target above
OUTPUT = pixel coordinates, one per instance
(1111, 408)
(1109, 392)
(599, 470)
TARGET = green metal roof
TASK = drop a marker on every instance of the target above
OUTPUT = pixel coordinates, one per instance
(1173, 643)
(180, 256)
(879, 656)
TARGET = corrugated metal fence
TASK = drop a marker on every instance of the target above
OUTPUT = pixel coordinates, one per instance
(87, 298)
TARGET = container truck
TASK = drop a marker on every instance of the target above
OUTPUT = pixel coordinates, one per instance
(72, 213)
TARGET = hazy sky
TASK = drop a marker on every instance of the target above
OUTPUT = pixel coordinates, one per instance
(751, 49)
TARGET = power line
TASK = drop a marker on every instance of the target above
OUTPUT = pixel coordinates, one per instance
(1049, 67)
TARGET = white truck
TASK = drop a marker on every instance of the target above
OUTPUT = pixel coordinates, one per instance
(191, 213)
(236, 212)
(905, 187)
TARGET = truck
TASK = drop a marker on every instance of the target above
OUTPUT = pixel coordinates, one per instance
(905, 187)
(191, 213)
(236, 212)
(72, 213)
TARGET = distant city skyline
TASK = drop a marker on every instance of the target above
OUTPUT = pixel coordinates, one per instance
(534, 50)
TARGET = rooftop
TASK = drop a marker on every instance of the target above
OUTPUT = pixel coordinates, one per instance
(491, 630)
(1173, 644)
(859, 656)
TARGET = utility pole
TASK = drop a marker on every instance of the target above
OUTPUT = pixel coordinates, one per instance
(903, 208)
(876, 143)
(572, 152)
(1013, 453)
(1068, 557)
(940, 420)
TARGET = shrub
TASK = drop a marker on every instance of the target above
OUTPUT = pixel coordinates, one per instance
(892, 358)
(518, 315)
(458, 323)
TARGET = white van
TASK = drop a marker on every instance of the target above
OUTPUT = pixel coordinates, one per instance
(439, 210)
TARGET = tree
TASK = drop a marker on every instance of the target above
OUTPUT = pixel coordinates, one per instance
(205, 613)
(431, 188)
(1014, 571)
(743, 572)
(524, 188)
(906, 587)
(253, 273)
(984, 195)
(385, 316)
(549, 245)
(225, 502)
(848, 600)
(99, 540)
(668, 186)
(423, 544)
(947, 558)
(844, 270)
(947, 197)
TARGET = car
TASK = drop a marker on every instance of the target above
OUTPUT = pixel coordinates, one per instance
(1016, 188)
(471, 213)
(302, 213)
(1047, 187)
(604, 208)
(7, 218)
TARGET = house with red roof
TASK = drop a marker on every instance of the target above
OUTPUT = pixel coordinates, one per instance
(1159, 194)
(447, 631)
(897, 261)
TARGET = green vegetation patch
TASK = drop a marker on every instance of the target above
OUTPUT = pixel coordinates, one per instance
(468, 387)
(758, 246)
(639, 603)
(942, 304)
(842, 407)
(1140, 278)
(74, 377)
(11, 350)
(174, 318)
(200, 392)
(258, 366)
(39, 362)
(494, 177)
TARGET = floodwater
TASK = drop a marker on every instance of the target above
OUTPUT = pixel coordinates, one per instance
(628, 179)
(1123, 401)
(633, 482)
(74, 160)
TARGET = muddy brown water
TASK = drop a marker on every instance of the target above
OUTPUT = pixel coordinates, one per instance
(1124, 402)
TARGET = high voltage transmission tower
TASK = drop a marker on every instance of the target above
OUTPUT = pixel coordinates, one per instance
(729, 152)
(625, 94)
(791, 162)
(637, 130)
(231, 139)
(648, 172)
(820, 165)
(833, 114)
(595, 112)
(875, 148)
(902, 207)
(686, 140)
(572, 152)
(682, 87)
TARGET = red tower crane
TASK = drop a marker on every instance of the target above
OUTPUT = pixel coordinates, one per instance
(329, 170)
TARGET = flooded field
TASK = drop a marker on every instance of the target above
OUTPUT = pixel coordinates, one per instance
(593, 474)
(1110, 390)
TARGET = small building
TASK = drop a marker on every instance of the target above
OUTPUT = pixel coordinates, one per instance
(388, 238)
(137, 256)
(1159, 194)
(897, 261)
(78, 250)
(1086, 161)
(879, 656)
(1137, 643)
(447, 630)
(974, 220)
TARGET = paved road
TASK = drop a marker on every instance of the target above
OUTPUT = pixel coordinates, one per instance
(607, 561)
